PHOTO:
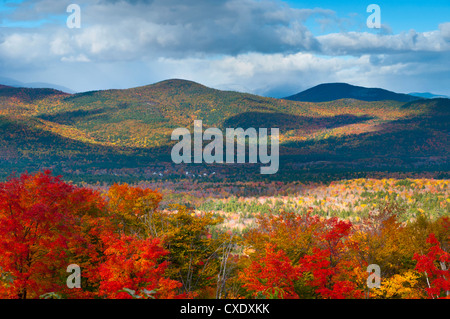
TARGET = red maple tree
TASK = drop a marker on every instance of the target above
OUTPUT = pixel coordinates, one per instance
(434, 264)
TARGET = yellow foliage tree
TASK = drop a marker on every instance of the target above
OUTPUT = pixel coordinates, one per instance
(400, 286)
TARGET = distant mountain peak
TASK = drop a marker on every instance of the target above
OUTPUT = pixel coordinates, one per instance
(428, 95)
(334, 91)
(179, 82)
(175, 83)
(33, 85)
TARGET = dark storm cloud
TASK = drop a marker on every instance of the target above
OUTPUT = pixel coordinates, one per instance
(179, 27)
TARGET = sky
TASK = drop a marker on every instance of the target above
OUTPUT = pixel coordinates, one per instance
(266, 47)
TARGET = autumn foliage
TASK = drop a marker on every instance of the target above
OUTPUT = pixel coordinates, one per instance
(37, 217)
(271, 275)
(434, 264)
(128, 247)
(135, 264)
(47, 224)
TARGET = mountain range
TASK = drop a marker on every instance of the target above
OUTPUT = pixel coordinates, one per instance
(340, 129)
(428, 95)
(36, 85)
(334, 91)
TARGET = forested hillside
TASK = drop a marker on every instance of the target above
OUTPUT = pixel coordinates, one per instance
(131, 128)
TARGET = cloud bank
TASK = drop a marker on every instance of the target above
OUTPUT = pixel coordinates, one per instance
(263, 47)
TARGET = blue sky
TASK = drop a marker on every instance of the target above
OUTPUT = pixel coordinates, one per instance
(267, 47)
(400, 15)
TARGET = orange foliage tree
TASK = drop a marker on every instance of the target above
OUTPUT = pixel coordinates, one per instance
(131, 206)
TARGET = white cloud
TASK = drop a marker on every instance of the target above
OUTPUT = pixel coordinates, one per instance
(24, 47)
(281, 74)
(358, 43)
(445, 30)
(78, 58)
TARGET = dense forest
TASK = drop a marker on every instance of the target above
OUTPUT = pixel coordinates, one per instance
(126, 246)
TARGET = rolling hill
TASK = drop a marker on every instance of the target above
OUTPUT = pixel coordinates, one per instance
(334, 91)
(98, 134)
